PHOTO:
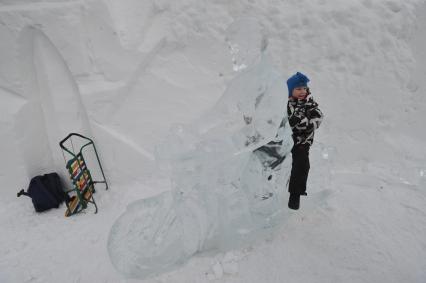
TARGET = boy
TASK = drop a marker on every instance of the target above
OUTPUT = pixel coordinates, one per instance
(304, 117)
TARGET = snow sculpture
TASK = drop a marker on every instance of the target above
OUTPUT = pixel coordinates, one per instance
(54, 106)
(229, 171)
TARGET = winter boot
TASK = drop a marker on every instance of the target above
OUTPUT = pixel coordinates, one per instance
(294, 201)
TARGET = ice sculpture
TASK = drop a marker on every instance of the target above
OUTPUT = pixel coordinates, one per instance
(229, 171)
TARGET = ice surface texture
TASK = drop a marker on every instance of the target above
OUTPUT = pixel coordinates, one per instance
(229, 171)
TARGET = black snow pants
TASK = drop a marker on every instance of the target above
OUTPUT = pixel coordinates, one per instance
(299, 170)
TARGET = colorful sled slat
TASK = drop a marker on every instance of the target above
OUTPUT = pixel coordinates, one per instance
(84, 186)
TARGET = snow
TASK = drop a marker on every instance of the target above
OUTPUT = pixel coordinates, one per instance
(141, 66)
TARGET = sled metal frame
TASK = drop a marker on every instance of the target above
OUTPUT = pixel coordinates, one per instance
(82, 181)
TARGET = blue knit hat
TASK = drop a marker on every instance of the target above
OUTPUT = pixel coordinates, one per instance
(296, 80)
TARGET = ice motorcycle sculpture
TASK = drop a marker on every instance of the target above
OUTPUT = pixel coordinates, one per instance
(229, 172)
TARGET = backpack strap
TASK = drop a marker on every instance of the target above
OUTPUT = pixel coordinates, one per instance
(22, 192)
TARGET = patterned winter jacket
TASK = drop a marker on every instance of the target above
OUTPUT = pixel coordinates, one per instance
(304, 117)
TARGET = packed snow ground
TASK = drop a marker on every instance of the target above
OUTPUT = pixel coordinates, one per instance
(141, 65)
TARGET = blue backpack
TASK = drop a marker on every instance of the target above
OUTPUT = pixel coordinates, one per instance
(46, 192)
